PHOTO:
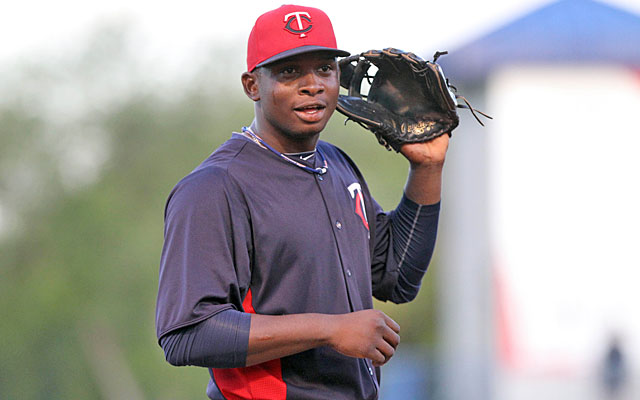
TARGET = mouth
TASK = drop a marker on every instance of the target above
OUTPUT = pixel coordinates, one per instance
(311, 112)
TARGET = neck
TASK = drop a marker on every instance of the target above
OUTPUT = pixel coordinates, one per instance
(319, 170)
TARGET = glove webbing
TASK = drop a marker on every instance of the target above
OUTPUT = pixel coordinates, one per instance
(470, 108)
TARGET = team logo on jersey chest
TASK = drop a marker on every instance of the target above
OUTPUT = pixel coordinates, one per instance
(298, 23)
(355, 190)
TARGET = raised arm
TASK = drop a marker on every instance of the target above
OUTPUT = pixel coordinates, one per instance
(424, 183)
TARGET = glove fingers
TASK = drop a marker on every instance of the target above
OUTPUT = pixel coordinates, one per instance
(383, 123)
(351, 76)
(369, 116)
(395, 61)
(362, 111)
(437, 81)
(359, 73)
(346, 70)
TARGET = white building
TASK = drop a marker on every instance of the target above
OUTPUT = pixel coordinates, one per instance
(540, 228)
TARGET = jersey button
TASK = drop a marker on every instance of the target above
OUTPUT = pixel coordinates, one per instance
(338, 224)
(320, 177)
(349, 272)
(370, 371)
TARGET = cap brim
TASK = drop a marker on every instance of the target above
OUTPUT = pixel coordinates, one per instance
(302, 50)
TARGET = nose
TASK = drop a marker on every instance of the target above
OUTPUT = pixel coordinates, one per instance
(311, 84)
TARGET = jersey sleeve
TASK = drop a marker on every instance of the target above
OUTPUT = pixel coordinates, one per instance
(205, 262)
(194, 344)
(404, 244)
(384, 267)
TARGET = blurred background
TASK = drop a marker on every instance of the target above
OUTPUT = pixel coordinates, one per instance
(532, 293)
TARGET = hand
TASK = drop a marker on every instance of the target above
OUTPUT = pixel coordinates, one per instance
(431, 153)
(365, 334)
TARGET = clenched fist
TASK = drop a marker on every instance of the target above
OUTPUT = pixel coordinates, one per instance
(365, 334)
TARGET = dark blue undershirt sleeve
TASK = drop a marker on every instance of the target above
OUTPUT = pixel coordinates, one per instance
(220, 341)
(414, 228)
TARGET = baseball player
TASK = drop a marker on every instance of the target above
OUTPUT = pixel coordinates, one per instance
(274, 246)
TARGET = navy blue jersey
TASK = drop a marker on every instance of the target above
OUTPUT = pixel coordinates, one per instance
(249, 231)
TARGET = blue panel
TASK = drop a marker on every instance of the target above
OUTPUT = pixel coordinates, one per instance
(564, 31)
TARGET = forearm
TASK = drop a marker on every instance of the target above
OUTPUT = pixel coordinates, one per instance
(424, 183)
(362, 334)
(277, 336)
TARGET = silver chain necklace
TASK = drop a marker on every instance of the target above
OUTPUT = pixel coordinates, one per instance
(260, 142)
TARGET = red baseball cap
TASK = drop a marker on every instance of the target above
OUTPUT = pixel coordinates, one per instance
(287, 31)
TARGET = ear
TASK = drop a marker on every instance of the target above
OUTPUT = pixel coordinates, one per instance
(250, 85)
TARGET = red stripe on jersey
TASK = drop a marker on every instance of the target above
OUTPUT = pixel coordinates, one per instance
(360, 211)
(258, 382)
(247, 303)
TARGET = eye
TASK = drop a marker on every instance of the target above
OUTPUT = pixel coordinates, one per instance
(288, 70)
(326, 68)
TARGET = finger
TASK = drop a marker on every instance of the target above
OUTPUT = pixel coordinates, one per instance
(378, 359)
(391, 337)
(386, 349)
(392, 324)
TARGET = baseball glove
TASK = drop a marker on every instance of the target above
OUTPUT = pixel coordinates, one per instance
(409, 101)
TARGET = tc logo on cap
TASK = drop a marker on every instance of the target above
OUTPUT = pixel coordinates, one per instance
(298, 17)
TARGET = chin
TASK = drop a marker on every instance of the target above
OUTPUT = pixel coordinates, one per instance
(301, 135)
(312, 130)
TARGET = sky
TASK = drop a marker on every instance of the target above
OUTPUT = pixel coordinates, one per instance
(174, 31)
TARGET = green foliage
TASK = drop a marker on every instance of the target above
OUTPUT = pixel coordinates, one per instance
(79, 261)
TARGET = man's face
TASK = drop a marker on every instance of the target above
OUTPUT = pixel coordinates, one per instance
(298, 95)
